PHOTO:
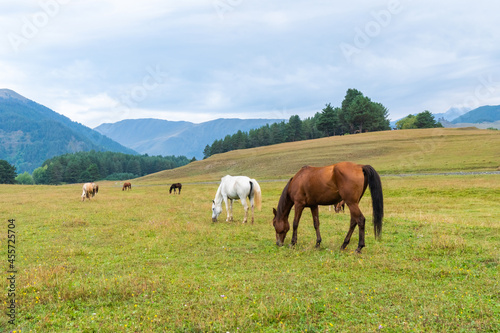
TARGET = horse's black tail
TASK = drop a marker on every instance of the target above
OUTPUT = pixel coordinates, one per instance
(377, 197)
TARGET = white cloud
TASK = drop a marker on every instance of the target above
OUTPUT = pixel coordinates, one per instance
(258, 58)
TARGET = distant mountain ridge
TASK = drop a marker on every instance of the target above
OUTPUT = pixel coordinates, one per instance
(163, 137)
(452, 113)
(31, 133)
(483, 114)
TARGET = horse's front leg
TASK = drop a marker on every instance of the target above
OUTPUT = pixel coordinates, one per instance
(231, 210)
(296, 219)
(315, 214)
(227, 209)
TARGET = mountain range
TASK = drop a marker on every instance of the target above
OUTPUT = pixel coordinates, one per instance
(163, 137)
(482, 117)
(483, 114)
(31, 133)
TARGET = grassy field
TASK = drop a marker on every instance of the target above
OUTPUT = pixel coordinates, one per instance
(147, 261)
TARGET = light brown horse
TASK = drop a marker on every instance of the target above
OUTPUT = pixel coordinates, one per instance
(313, 186)
(126, 186)
(88, 191)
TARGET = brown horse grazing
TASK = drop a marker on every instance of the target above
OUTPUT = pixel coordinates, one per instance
(340, 207)
(88, 191)
(330, 185)
(96, 188)
(174, 187)
(126, 186)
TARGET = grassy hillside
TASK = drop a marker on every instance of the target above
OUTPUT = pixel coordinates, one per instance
(391, 152)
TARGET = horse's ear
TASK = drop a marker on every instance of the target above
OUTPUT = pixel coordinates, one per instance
(275, 212)
(213, 201)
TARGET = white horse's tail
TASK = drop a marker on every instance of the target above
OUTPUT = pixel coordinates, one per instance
(257, 194)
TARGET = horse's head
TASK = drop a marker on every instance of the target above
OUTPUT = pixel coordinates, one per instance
(281, 226)
(216, 210)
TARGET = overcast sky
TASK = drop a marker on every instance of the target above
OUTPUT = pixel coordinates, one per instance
(101, 61)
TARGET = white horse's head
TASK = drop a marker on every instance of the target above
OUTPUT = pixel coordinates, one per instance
(216, 210)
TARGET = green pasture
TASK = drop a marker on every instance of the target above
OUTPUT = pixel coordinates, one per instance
(147, 261)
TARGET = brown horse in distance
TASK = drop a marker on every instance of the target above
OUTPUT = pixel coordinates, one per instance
(175, 186)
(126, 186)
(96, 188)
(329, 185)
(340, 207)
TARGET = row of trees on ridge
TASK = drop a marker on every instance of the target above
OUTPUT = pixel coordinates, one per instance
(357, 114)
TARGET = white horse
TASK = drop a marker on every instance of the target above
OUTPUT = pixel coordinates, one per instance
(88, 190)
(239, 187)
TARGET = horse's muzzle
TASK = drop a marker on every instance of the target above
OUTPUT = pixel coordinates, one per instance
(214, 219)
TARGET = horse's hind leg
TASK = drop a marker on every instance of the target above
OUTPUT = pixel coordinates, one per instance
(252, 205)
(349, 234)
(315, 214)
(358, 219)
(253, 208)
(245, 207)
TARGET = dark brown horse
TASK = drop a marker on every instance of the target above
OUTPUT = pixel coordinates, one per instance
(330, 185)
(126, 186)
(176, 186)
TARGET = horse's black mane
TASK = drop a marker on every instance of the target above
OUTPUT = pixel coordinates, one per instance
(283, 199)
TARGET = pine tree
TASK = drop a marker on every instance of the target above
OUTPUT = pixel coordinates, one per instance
(7, 173)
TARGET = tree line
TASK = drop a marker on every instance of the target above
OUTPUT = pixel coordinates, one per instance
(92, 166)
(423, 119)
(357, 114)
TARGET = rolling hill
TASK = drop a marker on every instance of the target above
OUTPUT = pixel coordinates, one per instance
(31, 133)
(389, 152)
(163, 137)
